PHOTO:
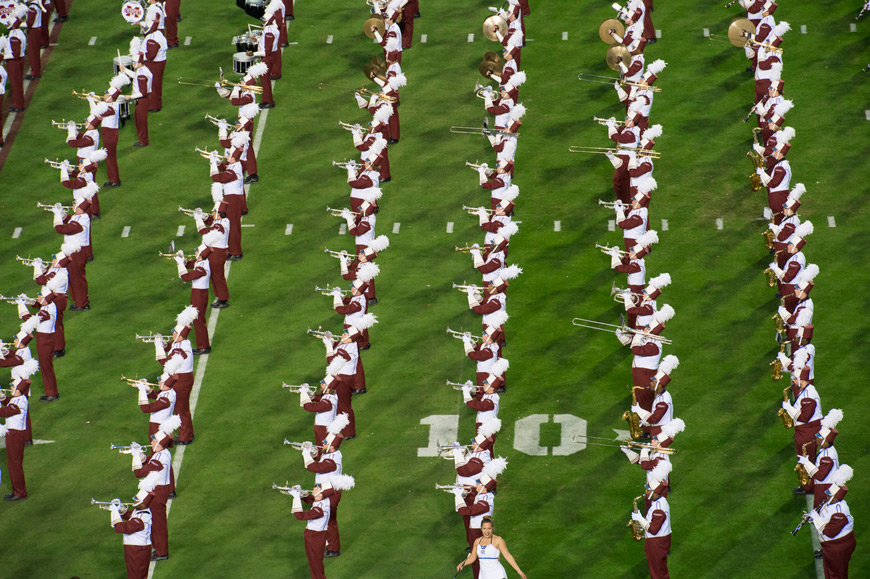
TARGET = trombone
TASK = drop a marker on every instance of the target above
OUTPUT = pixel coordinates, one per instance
(610, 80)
(383, 97)
(460, 385)
(307, 445)
(322, 334)
(336, 254)
(465, 287)
(327, 291)
(608, 250)
(625, 444)
(84, 96)
(462, 335)
(206, 154)
(190, 212)
(474, 210)
(477, 166)
(14, 299)
(450, 488)
(350, 127)
(55, 164)
(469, 248)
(135, 382)
(65, 124)
(614, 150)
(337, 212)
(223, 82)
(129, 449)
(480, 131)
(151, 338)
(47, 207)
(296, 388)
(604, 327)
(107, 505)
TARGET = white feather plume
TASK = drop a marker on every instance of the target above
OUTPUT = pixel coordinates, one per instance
(212, 238)
(98, 156)
(656, 66)
(517, 112)
(31, 367)
(338, 424)
(135, 47)
(173, 365)
(497, 319)
(71, 246)
(217, 192)
(499, 367)
(808, 274)
(366, 321)
(648, 238)
(495, 467)
(508, 230)
(186, 316)
(668, 364)
(371, 194)
(647, 185)
(379, 243)
(171, 424)
(654, 132)
(781, 28)
(797, 191)
(148, 483)
(119, 81)
(249, 111)
(257, 70)
(512, 192)
(842, 475)
(518, 78)
(660, 281)
(661, 470)
(833, 418)
(30, 324)
(383, 114)
(674, 427)
(665, 314)
(510, 272)
(785, 136)
(804, 229)
(342, 482)
(3, 431)
(240, 139)
(489, 427)
(398, 81)
(334, 367)
(367, 271)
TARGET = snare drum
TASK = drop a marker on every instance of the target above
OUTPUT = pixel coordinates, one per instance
(255, 8)
(133, 11)
(126, 60)
(124, 109)
(242, 62)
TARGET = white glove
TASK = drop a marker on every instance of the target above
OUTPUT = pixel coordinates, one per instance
(783, 313)
(615, 260)
(222, 129)
(459, 457)
(623, 337)
(784, 360)
(143, 394)
(632, 162)
(304, 397)
(482, 216)
(817, 520)
(468, 343)
(306, 457)
(343, 263)
(804, 462)
(115, 514)
(158, 347)
(458, 501)
(329, 347)
(466, 394)
(71, 130)
(620, 213)
(614, 160)
(639, 518)
(357, 137)
(474, 298)
(758, 149)
(336, 298)
(643, 414)
(179, 263)
(636, 340)
(360, 101)
(137, 458)
(632, 456)
(626, 299)
(22, 308)
(765, 178)
(351, 173)
(777, 271)
(620, 92)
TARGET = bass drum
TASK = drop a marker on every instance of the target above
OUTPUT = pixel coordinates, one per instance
(133, 11)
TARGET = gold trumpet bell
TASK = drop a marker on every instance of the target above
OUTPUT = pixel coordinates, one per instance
(492, 24)
(487, 67)
(614, 52)
(604, 30)
(737, 26)
(371, 71)
(377, 21)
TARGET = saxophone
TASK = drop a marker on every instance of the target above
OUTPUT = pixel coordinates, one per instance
(768, 239)
(637, 532)
(771, 277)
(787, 420)
(757, 163)
(803, 476)
(632, 418)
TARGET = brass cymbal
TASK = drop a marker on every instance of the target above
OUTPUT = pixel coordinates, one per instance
(493, 57)
(493, 23)
(604, 30)
(371, 71)
(488, 67)
(615, 51)
(374, 21)
(737, 26)
(379, 61)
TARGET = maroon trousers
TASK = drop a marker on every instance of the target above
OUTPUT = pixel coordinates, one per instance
(199, 300)
(385, 165)
(216, 261)
(343, 391)
(159, 528)
(315, 546)
(59, 334)
(15, 68)
(836, 555)
(78, 280)
(359, 379)
(657, 550)
(46, 18)
(137, 558)
(275, 64)
(408, 23)
(622, 181)
(62, 9)
(332, 539)
(394, 121)
(173, 8)
(183, 385)
(649, 30)
(155, 99)
(264, 81)
(44, 351)
(34, 54)
(110, 142)
(15, 440)
(249, 163)
(140, 116)
(234, 214)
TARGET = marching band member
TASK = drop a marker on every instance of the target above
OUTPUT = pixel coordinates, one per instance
(834, 523)
(245, 122)
(33, 24)
(173, 17)
(500, 107)
(155, 46)
(269, 50)
(482, 504)
(217, 222)
(143, 82)
(76, 231)
(662, 406)
(135, 524)
(392, 29)
(198, 271)
(328, 464)
(163, 404)
(176, 357)
(486, 400)
(826, 462)
(353, 308)
(229, 173)
(14, 50)
(343, 364)
(15, 410)
(324, 404)
(317, 518)
(374, 145)
(45, 337)
(110, 125)
(42, 275)
(485, 353)
(657, 533)
(498, 182)
(361, 272)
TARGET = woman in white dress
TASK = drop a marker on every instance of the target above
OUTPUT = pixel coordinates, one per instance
(487, 550)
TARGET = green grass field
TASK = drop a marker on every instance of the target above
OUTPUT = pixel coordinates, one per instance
(562, 516)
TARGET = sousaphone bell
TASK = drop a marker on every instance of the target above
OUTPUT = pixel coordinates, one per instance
(492, 24)
(614, 52)
(736, 28)
(604, 30)
(377, 21)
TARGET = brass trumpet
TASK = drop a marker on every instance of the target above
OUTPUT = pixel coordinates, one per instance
(322, 334)
(461, 335)
(206, 154)
(382, 97)
(604, 327)
(350, 127)
(460, 385)
(54, 164)
(216, 121)
(107, 505)
(345, 164)
(296, 388)
(307, 445)
(84, 96)
(14, 299)
(336, 254)
(64, 124)
(604, 122)
(465, 287)
(337, 212)
(190, 212)
(469, 248)
(151, 338)
(607, 250)
(186, 257)
(611, 205)
(327, 291)
(129, 449)
(134, 382)
(285, 490)
(477, 166)
(47, 207)
(28, 261)
(474, 210)
(450, 488)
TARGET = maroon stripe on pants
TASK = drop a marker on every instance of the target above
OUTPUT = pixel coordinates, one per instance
(159, 528)
(216, 261)
(44, 350)
(137, 558)
(315, 545)
(15, 440)
(250, 162)
(140, 116)
(657, 550)
(46, 18)
(110, 142)
(173, 8)
(183, 385)
(155, 99)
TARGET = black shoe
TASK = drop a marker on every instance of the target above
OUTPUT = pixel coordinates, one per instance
(48, 398)
(61, 19)
(387, 180)
(267, 106)
(156, 557)
(29, 77)
(58, 353)
(252, 179)
(14, 497)
(500, 390)
(29, 443)
(778, 295)
(351, 437)
(358, 392)
(89, 260)
(178, 19)
(75, 308)
(330, 554)
(800, 491)
(366, 347)
(468, 549)
(184, 442)
(199, 351)
(14, 110)
(817, 554)
(154, 110)
(220, 304)
(392, 141)
(285, 45)
(750, 69)
(235, 257)
(418, 15)
(372, 302)
(170, 46)
(111, 184)
(173, 495)
(652, 40)
(245, 213)
(96, 216)
(276, 77)
(290, 17)
(138, 144)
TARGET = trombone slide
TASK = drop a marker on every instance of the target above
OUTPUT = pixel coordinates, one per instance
(480, 131)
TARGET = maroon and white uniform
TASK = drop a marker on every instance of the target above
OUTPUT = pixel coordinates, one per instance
(15, 411)
(315, 534)
(826, 463)
(657, 533)
(497, 185)
(45, 339)
(143, 83)
(155, 59)
(485, 356)
(486, 406)
(13, 59)
(136, 528)
(324, 406)
(662, 412)
(232, 178)
(159, 462)
(160, 410)
(501, 108)
(182, 383)
(633, 225)
(836, 533)
(328, 465)
(807, 415)
(34, 38)
(647, 355)
(218, 256)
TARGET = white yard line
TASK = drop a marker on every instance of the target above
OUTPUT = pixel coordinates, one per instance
(449, 227)
(720, 224)
(564, 36)
(180, 232)
(471, 37)
(188, 40)
(202, 363)
(17, 233)
(424, 38)
(831, 221)
(289, 229)
(126, 231)
(92, 41)
(396, 227)
(664, 224)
